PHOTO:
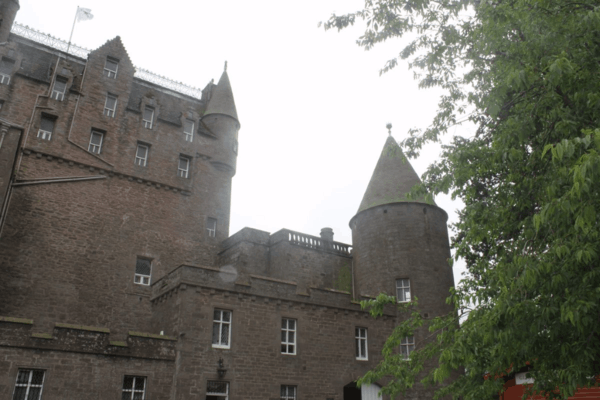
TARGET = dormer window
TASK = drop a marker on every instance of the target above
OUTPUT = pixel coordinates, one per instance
(148, 117)
(188, 130)
(46, 127)
(111, 67)
(60, 87)
(96, 139)
(6, 67)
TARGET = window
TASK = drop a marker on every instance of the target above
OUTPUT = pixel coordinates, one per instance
(141, 155)
(184, 167)
(188, 130)
(288, 336)
(216, 390)
(29, 384)
(403, 290)
(60, 87)
(288, 392)
(110, 106)
(360, 335)
(407, 346)
(95, 142)
(221, 329)
(143, 271)
(110, 68)
(211, 227)
(1, 104)
(148, 117)
(6, 67)
(134, 388)
(46, 128)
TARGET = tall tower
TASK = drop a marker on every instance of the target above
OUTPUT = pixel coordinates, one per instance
(401, 247)
(8, 11)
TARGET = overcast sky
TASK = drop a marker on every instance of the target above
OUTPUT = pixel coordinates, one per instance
(311, 104)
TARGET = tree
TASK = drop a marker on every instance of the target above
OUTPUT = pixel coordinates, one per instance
(527, 73)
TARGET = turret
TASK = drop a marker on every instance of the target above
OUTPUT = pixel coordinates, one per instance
(8, 12)
(401, 247)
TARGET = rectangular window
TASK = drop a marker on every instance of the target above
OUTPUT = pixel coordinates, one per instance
(148, 117)
(184, 167)
(143, 271)
(141, 155)
(6, 67)
(211, 227)
(110, 67)
(96, 142)
(403, 290)
(288, 392)
(221, 329)
(110, 106)
(134, 388)
(407, 346)
(46, 128)
(216, 390)
(188, 130)
(288, 336)
(360, 335)
(60, 87)
(29, 384)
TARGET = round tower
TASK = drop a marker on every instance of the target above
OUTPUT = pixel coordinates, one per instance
(401, 247)
(8, 12)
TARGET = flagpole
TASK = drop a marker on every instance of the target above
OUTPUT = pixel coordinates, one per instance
(72, 29)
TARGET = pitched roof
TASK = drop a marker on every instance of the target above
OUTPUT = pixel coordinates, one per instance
(221, 101)
(392, 179)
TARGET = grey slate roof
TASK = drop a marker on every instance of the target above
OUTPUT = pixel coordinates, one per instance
(221, 101)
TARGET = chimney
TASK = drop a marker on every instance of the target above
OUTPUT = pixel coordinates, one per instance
(327, 234)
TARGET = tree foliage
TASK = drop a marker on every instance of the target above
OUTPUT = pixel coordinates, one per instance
(527, 74)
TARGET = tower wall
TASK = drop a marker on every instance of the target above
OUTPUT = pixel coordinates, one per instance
(8, 12)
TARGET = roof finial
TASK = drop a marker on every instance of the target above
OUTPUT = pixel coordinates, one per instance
(225, 69)
(389, 128)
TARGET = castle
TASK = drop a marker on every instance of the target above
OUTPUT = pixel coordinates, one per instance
(119, 278)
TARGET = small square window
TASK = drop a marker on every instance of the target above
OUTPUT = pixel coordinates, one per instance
(110, 105)
(211, 227)
(141, 155)
(288, 336)
(183, 170)
(288, 392)
(143, 271)
(6, 67)
(360, 335)
(407, 346)
(46, 128)
(110, 67)
(148, 117)
(188, 130)
(221, 335)
(403, 290)
(96, 142)
(216, 390)
(60, 87)
(134, 388)
(29, 385)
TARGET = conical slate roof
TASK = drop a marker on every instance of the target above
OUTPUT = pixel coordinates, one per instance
(392, 179)
(222, 101)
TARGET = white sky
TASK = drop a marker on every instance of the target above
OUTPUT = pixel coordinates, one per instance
(312, 105)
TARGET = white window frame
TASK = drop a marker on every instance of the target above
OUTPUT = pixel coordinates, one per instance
(288, 392)
(29, 384)
(286, 332)
(407, 346)
(141, 161)
(212, 230)
(110, 112)
(142, 279)
(45, 135)
(402, 294)
(189, 135)
(360, 337)
(4, 79)
(223, 396)
(133, 391)
(109, 72)
(183, 172)
(57, 94)
(220, 324)
(96, 148)
(148, 123)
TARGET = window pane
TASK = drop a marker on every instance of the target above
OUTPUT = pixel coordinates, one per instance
(291, 324)
(283, 336)
(141, 151)
(217, 315)
(142, 266)
(215, 334)
(111, 102)
(128, 382)
(38, 377)
(148, 114)
(20, 393)
(23, 377)
(111, 65)
(226, 316)
(60, 84)
(290, 349)
(363, 348)
(47, 124)
(225, 335)
(126, 396)
(34, 393)
(139, 383)
(138, 396)
(291, 337)
(188, 126)
(96, 138)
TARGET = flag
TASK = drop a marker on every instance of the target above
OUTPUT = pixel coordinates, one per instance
(84, 14)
